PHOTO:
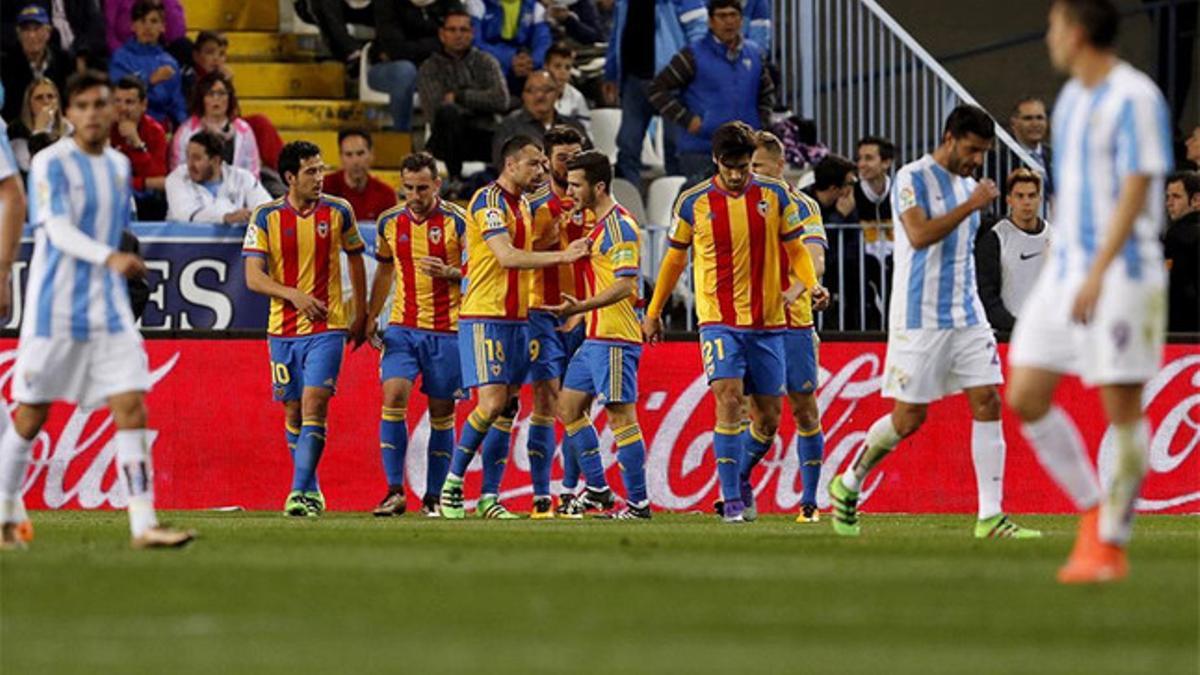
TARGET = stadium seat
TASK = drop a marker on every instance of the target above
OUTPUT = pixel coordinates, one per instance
(365, 93)
(652, 147)
(660, 202)
(605, 123)
(630, 197)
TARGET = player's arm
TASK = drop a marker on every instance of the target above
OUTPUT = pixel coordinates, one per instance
(384, 268)
(801, 267)
(817, 253)
(923, 231)
(511, 257)
(259, 281)
(1130, 201)
(12, 195)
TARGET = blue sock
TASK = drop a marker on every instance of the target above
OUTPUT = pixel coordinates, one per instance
(309, 447)
(393, 445)
(631, 455)
(727, 446)
(293, 437)
(468, 442)
(541, 453)
(570, 461)
(495, 455)
(582, 435)
(754, 447)
(441, 448)
(810, 449)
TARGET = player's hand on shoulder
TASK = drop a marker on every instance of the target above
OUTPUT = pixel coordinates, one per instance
(128, 265)
(577, 249)
(984, 193)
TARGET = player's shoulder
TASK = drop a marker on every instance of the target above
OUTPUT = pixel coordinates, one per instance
(688, 198)
(540, 197)
(52, 154)
(622, 223)
(340, 205)
(487, 197)
(117, 159)
(389, 214)
(772, 184)
(262, 211)
(453, 210)
(1131, 82)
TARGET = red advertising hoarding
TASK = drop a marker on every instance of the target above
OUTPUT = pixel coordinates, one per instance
(219, 438)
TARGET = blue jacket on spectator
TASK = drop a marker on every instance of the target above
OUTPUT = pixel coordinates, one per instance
(165, 99)
(676, 23)
(533, 32)
(756, 23)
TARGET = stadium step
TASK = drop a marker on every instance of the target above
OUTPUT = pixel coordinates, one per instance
(390, 146)
(258, 46)
(289, 80)
(232, 15)
(389, 176)
(313, 113)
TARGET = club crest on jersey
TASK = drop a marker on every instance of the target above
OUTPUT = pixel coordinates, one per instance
(496, 368)
(435, 235)
(762, 207)
(322, 229)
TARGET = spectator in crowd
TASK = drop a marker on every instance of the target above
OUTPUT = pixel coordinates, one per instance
(605, 13)
(718, 79)
(629, 68)
(1030, 125)
(576, 20)
(368, 195)
(41, 122)
(1010, 255)
(144, 56)
(204, 189)
(209, 54)
(77, 28)
(1181, 248)
(331, 18)
(757, 24)
(1192, 145)
(874, 157)
(833, 190)
(38, 57)
(560, 61)
(144, 142)
(462, 89)
(406, 33)
(119, 30)
(214, 108)
(513, 31)
(834, 179)
(535, 116)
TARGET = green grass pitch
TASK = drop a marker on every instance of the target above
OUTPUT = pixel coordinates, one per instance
(262, 594)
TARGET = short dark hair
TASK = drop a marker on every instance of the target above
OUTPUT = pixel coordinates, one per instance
(1022, 175)
(560, 48)
(561, 135)
(356, 131)
(831, 171)
(455, 10)
(133, 82)
(596, 167)
(1022, 100)
(293, 154)
(143, 7)
(1098, 18)
(419, 161)
(515, 145)
(213, 144)
(970, 119)
(714, 5)
(206, 36)
(81, 82)
(733, 139)
(205, 85)
(1190, 180)
(887, 149)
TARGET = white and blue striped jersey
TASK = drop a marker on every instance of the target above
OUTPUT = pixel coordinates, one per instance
(67, 297)
(934, 287)
(1102, 135)
(8, 161)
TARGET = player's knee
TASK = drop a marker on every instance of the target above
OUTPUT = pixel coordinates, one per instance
(129, 414)
(395, 396)
(28, 420)
(730, 402)
(988, 407)
(621, 415)
(544, 399)
(908, 421)
(315, 405)
(806, 415)
(1028, 408)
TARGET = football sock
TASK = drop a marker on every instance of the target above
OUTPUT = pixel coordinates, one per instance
(1120, 495)
(393, 444)
(469, 438)
(582, 435)
(133, 456)
(755, 446)
(810, 448)
(1060, 449)
(308, 454)
(727, 446)
(987, 453)
(540, 447)
(571, 470)
(15, 456)
(495, 454)
(293, 437)
(631, 456)
(441, 448)
(882, 438)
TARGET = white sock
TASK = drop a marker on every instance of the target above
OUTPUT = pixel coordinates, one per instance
(133, 457)
(987, 453)
(1059, 448)
(882, 438)
(15, 455)
(1120, 495)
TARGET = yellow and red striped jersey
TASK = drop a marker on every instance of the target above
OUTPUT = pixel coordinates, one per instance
(492, 291)
(422, 301)
(615, 254)
(800, 314)
(304, 251)
(549, 211)
(737, 238)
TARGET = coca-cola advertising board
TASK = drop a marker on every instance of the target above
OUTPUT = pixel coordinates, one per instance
(218, 438)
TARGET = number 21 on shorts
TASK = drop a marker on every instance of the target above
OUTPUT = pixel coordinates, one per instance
(711, 348)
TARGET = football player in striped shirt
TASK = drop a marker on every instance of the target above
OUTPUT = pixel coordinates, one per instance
(939, 340)
(493, 336)
(551, 347)
(293, 251)
(606, 365)
(800, 340)
(78, 339)
(418, 248)
(738, 223)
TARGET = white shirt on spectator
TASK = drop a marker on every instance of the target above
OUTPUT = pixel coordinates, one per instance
(192, 202)
(573, 104)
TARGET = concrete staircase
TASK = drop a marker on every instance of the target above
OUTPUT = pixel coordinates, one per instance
(277, 75)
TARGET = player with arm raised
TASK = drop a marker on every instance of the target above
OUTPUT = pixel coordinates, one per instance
(293, 252)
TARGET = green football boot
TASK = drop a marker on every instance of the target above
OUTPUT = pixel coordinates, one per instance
(490, 508)
(1000, 527)
(845, 508)
(452, 500)
(296, 505)
(316, 503)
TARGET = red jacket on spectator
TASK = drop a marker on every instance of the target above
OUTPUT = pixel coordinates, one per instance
(376, 198)
(149, 162)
